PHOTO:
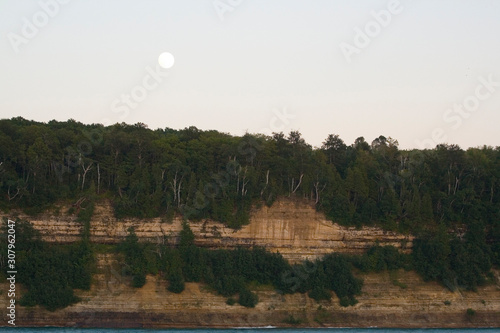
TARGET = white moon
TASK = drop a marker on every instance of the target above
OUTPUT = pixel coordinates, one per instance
(166, 60)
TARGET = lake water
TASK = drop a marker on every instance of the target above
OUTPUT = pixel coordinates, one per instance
(253, 330)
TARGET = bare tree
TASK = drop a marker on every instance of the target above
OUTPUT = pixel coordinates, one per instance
(176, 188)
(85, 170)
(318, 190)
(98, 178)
(244, 183)
(267, 182)
(294, 188)
(15, 195)
(78, 204)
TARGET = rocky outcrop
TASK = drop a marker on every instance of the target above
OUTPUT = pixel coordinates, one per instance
(292, 227)
(295, 229)
(397, 299)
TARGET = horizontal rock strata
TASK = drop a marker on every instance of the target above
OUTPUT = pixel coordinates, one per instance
(292, 227)
(409, 302)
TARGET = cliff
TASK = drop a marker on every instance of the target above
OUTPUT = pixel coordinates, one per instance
(398, 299)
(297, 231)
(292, 227)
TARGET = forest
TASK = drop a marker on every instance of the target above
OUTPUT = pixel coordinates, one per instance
(447, 197)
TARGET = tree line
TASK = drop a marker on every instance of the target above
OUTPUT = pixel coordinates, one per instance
(201, 174)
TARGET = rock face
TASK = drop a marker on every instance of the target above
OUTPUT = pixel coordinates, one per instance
(295, 229)
(396, 299)
(292, 227)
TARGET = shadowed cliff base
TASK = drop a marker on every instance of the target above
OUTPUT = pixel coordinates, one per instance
(409, 303)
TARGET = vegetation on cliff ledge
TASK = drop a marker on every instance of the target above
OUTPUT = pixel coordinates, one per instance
(230, 272)
(49, 272)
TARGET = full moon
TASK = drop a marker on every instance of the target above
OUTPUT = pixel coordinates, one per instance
(166, 60)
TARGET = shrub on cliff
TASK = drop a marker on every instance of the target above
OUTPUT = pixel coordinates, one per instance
(320, 294)
(340, 279)
(176, 282)
(456, 263)
(138, 281)
(381, 258)
(135, 258)
(248, 298)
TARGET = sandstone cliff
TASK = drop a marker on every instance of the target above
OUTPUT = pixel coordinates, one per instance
(295, 229)
(292, 227)
(398, 299)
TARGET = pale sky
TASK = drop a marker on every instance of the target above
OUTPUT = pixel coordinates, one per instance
(353, 68)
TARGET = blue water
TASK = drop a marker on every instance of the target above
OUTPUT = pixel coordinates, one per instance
(253, 330)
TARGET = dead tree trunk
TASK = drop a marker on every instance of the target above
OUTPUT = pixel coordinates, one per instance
(318, 191)
(300, 182)
(85, 170)
(244, 183)
(98, 178)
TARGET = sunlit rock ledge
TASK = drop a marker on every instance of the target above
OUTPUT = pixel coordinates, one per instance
(292, 227)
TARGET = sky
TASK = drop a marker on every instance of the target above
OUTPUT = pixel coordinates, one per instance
(422, 72)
